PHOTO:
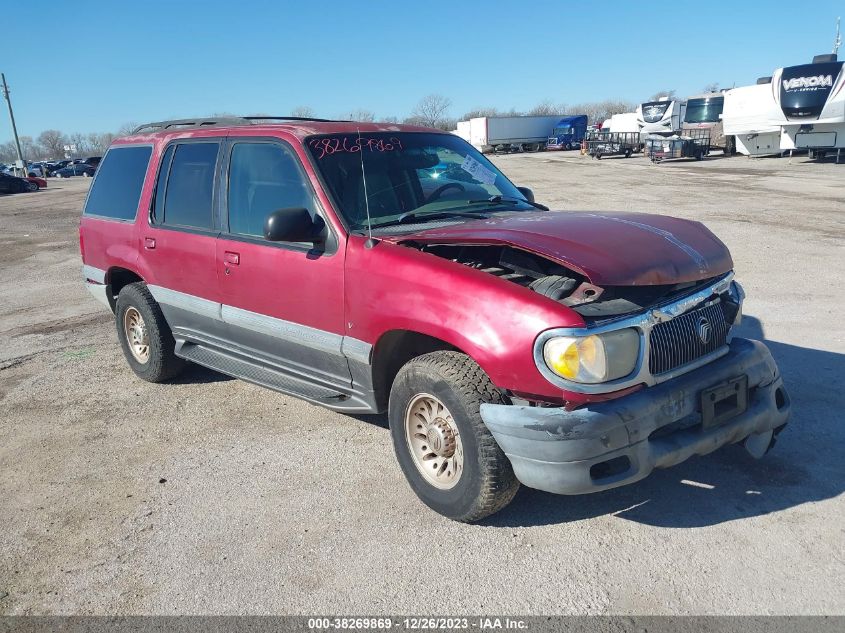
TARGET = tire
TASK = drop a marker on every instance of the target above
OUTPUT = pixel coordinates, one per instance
(85, 174)
(628, 153)
(32, 187)
(484, 483)
(161, 361)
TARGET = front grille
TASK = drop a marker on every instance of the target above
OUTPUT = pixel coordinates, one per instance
(677, 342)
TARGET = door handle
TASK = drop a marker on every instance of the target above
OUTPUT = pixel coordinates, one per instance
(231, 259)
(149, 243)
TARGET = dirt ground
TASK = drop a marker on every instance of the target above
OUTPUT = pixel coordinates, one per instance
(210, 495)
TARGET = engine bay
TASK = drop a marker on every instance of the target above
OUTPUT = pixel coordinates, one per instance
(557, 282)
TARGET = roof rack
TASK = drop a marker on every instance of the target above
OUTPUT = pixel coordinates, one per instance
(158, 126)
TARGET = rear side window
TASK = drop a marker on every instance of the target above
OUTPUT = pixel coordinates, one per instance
(264, 177)
(187, 196)
(117, 188)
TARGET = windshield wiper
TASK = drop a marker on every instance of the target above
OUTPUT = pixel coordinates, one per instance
(413, 215)
(506, 200)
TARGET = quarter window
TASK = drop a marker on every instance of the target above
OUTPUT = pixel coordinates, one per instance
(117, 188)
(188, 194)
(264, 177)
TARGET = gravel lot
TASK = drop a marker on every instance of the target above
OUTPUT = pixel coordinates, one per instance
(210, 495)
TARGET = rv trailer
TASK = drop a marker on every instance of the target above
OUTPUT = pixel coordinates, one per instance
(752, 119)
(812, 99)
(624, 123)
(704, 112)
(663, 116)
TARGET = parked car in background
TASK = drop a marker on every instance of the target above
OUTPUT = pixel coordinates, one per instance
(39, 182)
(13, 184)
(80, 169)
(91, 160)
(54, 166)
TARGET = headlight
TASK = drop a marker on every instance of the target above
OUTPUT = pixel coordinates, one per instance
(737, 295)
(595, 358)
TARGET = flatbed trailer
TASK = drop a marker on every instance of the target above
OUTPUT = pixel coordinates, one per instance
(684, 144)
(601, 143)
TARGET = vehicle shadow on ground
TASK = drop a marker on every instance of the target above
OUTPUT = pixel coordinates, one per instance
(805, 466)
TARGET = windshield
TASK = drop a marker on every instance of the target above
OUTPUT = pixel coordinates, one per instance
(704, 110)
(563, 131)
(409, 174)
(653, 111)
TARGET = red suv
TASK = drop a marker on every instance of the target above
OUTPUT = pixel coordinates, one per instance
(372, 268)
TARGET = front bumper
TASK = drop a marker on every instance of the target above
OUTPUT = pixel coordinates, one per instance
(609, 444)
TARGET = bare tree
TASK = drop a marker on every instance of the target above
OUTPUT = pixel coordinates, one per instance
(545, 108)
(711, 87)
(479, 112)
(305, 112)
(598, 111)
(127, 128)
(98, 142)
(29, 148)
(53, 142)
(359, 114)
(82, 143)
(389, 119)
(8, 152)
(669, 94)
(431, 110)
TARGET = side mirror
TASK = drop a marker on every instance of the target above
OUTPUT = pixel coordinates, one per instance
(292, 225)
(525, 191)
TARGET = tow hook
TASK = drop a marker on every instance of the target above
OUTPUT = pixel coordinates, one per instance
(759, 444)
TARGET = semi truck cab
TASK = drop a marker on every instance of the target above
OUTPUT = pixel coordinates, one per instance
(568, 133)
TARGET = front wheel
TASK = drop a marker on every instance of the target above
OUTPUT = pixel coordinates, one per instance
(144, 335)
(32, 186)
(445, 450)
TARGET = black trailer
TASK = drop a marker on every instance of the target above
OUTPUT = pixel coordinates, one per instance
(601, 143)
(684, 144)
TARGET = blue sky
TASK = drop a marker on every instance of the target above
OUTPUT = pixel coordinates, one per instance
(108, 63)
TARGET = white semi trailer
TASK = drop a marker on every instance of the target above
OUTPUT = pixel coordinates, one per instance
(507, 133)
(812, 99)
(751, 116)
(663, 116)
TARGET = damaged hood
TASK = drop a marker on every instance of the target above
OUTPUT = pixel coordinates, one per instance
(609, 249)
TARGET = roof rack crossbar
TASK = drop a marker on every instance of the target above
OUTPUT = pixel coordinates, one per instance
(158, 126)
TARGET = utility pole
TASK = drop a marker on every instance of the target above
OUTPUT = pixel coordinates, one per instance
(14, 127)
(837, 42)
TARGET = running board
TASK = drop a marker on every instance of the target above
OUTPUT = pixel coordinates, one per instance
(269, 377)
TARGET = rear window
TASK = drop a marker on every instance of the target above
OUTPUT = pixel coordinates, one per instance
(117, 188)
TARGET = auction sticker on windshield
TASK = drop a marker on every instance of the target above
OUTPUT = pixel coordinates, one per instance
(478, 171)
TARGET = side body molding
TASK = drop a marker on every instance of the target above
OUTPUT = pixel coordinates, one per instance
(340, 365)
(346, 346)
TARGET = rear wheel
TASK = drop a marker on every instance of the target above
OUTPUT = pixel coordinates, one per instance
(144, 335)
(446, 452)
